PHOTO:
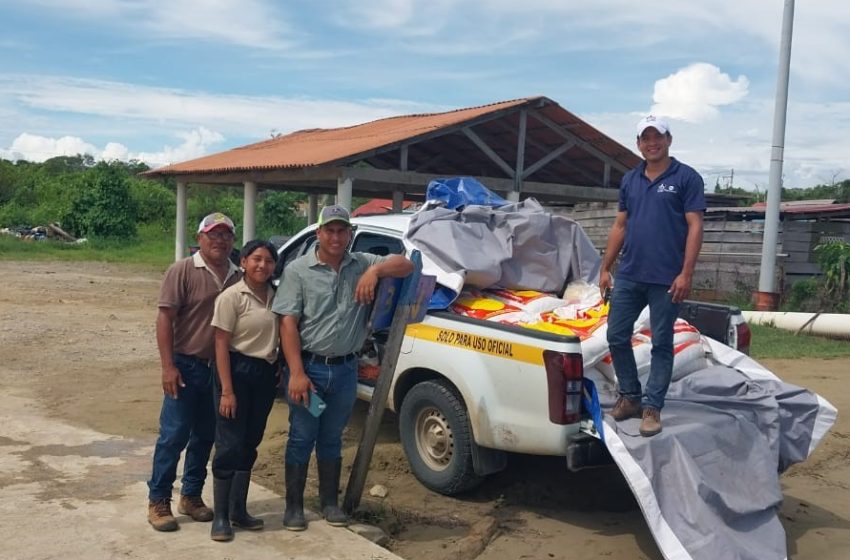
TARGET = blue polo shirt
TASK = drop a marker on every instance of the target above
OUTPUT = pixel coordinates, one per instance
(656, 229)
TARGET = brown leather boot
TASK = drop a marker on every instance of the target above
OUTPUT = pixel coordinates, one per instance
(625, 408)
(651, 423)
(160, 516)
(194, 507)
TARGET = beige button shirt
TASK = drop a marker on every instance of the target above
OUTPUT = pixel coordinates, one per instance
(252, 324)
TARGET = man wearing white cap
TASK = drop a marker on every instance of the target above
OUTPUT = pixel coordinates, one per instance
(184, 336)
(659, 228)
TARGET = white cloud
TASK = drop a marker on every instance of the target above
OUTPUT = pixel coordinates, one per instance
(381, 13)
(115, 150)
(410, 18)
(250, 23)
(739, 138)
(195, 144)
(695, 92)
(240, 115)
(32, 147)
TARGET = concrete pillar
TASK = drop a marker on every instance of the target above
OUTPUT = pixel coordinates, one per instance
(513, 196)
(398, 200)
(249, 211)
(180, 229)
(312, 209)
(344, 187)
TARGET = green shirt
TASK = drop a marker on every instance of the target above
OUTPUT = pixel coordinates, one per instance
(330, 322)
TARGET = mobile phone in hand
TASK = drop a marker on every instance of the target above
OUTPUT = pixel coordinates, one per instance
(316, 405)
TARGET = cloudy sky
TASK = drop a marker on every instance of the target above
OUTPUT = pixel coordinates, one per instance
(169, 81)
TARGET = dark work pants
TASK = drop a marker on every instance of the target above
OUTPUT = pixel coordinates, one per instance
(236, 439)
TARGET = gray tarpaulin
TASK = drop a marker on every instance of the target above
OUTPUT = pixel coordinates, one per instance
(708, 484)
(516, 246)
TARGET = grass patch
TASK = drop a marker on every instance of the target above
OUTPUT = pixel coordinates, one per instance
(152, 247)
(770, 342)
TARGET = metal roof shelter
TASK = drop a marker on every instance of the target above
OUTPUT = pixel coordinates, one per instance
(523, 147)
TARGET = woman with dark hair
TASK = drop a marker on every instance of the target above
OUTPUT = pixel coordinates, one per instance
(246, 376)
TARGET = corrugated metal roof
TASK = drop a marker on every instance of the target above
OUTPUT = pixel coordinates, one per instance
(307, 148)
(317, 147)
(790, 204)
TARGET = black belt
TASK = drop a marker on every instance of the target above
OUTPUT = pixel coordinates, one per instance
(204, 361)
(327, 360)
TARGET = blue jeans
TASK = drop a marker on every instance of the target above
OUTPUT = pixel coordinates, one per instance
(337, 386)
(187, 422)
(627, 301)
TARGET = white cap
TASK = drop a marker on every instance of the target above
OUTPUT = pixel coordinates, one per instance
(214, 220)
(658, 123)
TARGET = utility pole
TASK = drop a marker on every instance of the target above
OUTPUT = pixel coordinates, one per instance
(766, 298)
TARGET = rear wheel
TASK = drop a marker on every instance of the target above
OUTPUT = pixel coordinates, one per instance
(437, 440)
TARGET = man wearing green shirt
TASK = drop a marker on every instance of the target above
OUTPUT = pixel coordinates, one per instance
(323, 302)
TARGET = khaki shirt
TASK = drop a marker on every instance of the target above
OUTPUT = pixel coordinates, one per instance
(330, 322)
(251, 323)
(191, 287)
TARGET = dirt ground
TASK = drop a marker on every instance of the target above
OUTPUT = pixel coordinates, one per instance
(80, 338)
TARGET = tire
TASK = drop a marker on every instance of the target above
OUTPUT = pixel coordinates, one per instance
(435, 434)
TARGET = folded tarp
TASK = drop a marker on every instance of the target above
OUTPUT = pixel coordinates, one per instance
(515, 246)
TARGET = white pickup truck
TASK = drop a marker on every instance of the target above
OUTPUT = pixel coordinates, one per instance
(467, 391)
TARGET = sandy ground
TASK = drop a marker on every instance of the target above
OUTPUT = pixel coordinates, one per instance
(79, 338)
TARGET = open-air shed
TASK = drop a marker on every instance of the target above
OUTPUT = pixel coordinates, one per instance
(524, 147)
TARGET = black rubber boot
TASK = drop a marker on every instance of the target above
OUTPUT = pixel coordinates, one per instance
(221, 529)
(239, 515)
(296, 479)
(328, 491)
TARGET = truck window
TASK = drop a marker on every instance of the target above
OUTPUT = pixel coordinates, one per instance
(377, 244)
(293, 252)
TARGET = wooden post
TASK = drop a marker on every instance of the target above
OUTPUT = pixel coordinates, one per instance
(405, 309)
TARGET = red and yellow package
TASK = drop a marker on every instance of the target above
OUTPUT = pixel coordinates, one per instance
(530, 301)
(474, 303)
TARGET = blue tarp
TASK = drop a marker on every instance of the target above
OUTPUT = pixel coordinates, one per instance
(458, 192)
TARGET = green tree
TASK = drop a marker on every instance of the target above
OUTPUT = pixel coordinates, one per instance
(154, 202)
(278, 213)
(834, 260)
(102, 205)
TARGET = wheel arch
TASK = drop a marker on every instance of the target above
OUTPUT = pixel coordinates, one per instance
(411, 377)
(486, 460)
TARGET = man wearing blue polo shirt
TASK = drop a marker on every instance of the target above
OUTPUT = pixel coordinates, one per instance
(659, 228)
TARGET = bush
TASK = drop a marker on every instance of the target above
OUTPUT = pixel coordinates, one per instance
(205, 200)
(805, 295)
(834, 261)
(102, 206)
(277, 213)
(154, 202)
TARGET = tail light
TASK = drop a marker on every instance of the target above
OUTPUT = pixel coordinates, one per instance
(564, 373)
(744, 335)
